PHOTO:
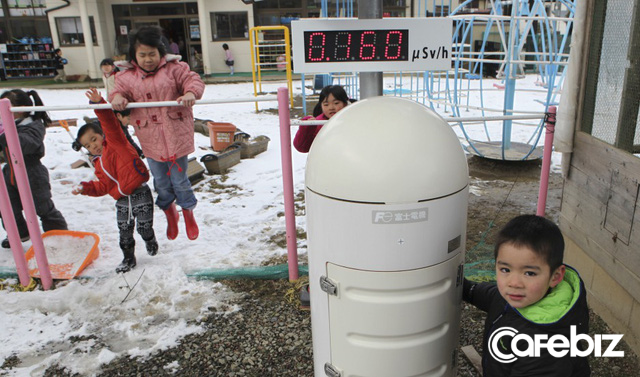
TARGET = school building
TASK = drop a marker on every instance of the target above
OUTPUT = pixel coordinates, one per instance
(30, 29)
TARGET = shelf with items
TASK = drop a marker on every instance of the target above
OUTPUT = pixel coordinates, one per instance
(21, 60)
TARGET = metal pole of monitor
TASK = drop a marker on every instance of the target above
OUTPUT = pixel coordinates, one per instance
(370, 82)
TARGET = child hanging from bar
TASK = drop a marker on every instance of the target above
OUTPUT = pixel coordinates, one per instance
(121, 174)
(165, 133)
(31, 133)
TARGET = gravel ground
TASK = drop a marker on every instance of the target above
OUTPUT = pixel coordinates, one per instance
(271, 336)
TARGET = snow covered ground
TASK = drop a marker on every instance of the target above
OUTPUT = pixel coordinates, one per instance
(237, 218)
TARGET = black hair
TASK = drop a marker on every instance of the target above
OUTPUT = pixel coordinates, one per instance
(225, 46)
(107, 61)
(146, 35)
(338, 93)
(124, 113)
(93, 126)
(540, 235)
(56, 50)
(19, 97)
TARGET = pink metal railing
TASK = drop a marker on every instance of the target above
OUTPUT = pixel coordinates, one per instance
(15, 158)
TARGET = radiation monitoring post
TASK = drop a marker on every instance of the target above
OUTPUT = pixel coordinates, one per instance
(377, 45)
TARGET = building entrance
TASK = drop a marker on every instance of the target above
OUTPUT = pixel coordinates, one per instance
(179, 22)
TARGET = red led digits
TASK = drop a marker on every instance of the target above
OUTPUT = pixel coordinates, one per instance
(343, 50)
(371, 45)
(317, 37)
(336, 46)
(393, 46)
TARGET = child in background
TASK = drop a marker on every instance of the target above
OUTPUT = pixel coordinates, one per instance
(534, 293)
(109, 70)
(121, 174)
(228, 57)
(333, 98)
(60, 63)
(124, 116)
(173, 47)
(31, 132)
(165, 133)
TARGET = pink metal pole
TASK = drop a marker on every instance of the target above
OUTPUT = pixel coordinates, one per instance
(550, 125)
(287, 181)
(22, 180)
(12, 232)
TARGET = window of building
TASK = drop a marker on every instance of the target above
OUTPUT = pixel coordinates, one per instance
(441, 10)
(229, 25)
(29, 28)
(282, 12)
(142, 10)
(267, 4)
(290, 3)
(394, 3)
(192, 8)
(70, 31)
(27, 7)
(475, 4)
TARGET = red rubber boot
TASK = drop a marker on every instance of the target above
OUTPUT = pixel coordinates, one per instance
(172, 221)
(192, 228)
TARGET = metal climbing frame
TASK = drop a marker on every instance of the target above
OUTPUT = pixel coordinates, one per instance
(270, 51)
(512, 36)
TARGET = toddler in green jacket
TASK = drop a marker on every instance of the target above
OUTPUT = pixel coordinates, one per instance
(534, 294)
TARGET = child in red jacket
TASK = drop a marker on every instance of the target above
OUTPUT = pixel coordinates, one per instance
(121, 174)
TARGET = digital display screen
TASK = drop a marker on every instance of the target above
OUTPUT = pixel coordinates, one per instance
(331, 46)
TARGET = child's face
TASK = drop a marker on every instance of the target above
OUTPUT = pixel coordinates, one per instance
(124, 119)
(524, 277)
(147, 57)
(330, 106)
(93, 142)
(106, 69)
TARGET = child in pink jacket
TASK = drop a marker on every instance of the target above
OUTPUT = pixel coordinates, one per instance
(165, 133)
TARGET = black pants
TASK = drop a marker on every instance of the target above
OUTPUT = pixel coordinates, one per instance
(50, 217)
(136, 208)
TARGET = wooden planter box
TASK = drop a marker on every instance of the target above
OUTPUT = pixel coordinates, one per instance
(241, 137)
(254, 147)
(221, 162)
(195, 171)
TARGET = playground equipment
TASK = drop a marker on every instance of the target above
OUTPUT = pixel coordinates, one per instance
(270, 51)
(386, 239)
(68, 252)
(17, 160)
(514, 38)
(514, 41)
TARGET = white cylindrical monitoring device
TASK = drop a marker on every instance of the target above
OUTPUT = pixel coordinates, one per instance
(386, 199)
